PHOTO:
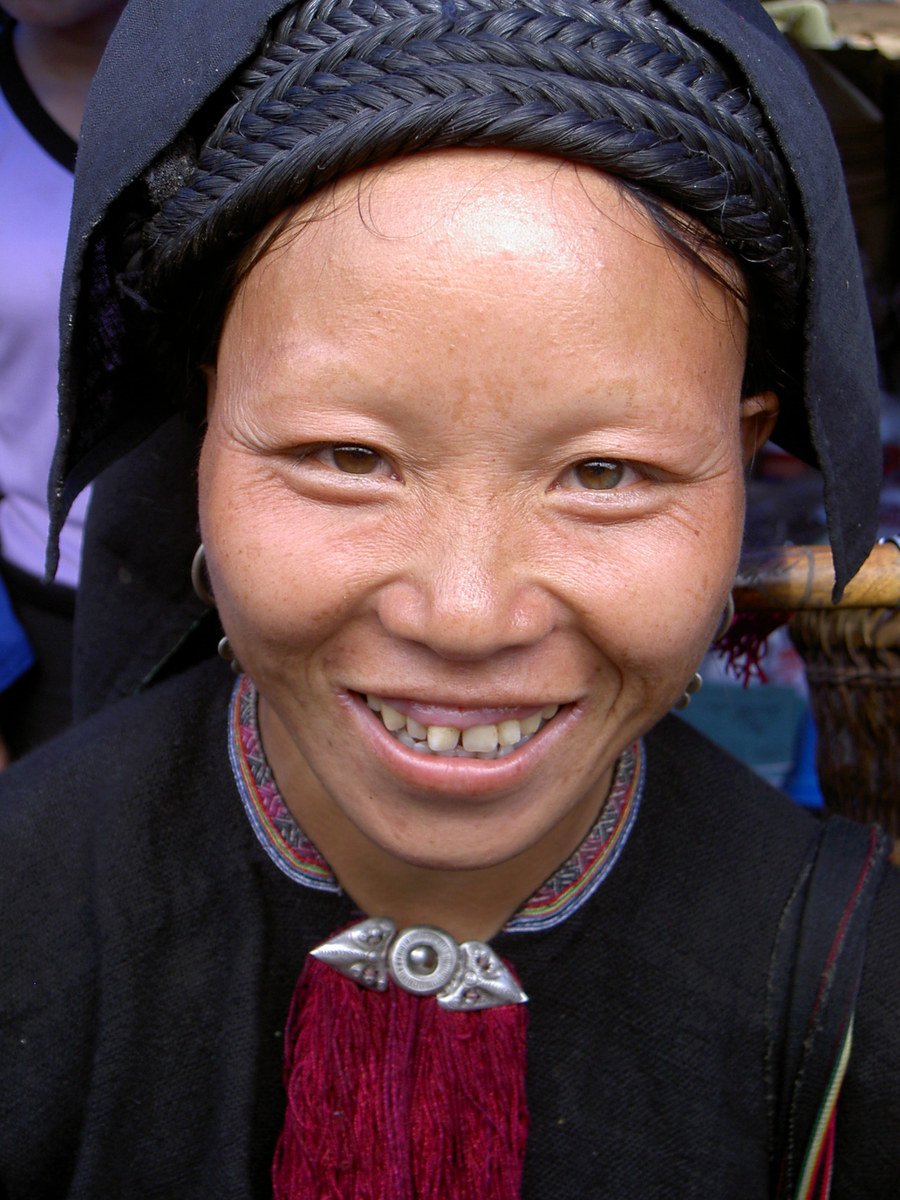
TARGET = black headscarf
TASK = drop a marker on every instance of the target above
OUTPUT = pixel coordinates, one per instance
(167, 58)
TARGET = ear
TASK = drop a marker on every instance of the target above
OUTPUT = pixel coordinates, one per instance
(758, 416)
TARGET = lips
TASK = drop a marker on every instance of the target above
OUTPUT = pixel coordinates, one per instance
(452, 732)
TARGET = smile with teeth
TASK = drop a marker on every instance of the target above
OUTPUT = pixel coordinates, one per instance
(449, 741)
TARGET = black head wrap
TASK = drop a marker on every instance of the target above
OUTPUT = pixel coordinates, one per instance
(206, 120)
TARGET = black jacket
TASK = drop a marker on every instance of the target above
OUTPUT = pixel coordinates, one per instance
(150, 949)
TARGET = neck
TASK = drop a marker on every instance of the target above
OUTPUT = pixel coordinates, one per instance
(468, 903)
(59, 64)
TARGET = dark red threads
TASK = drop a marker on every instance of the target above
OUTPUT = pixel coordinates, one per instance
(744, 643)
(390, 1097)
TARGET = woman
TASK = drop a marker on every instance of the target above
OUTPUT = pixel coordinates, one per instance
(488, 309)
(48, 56)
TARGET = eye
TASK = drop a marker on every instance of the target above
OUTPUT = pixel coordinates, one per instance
(351, 460)
(600, 474)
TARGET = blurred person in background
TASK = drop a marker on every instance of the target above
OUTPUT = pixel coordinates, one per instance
(49, 51)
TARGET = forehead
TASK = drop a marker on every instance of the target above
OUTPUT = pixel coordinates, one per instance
(450, 271)
(476, 215)
(492, 311)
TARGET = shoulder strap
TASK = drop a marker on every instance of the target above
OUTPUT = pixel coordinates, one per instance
(813, 983)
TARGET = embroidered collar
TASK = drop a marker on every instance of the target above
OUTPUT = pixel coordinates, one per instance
(294, 854)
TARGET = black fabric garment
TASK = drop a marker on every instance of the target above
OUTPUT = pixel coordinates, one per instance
(138, 618)
(150, 949)
(164, 62)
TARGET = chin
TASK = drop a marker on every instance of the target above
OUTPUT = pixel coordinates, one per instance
(455, 858)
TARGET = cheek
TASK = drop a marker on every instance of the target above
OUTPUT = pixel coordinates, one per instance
(652, 594)
(283, 575)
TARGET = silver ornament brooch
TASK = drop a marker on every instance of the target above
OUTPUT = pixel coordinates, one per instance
(423, 960)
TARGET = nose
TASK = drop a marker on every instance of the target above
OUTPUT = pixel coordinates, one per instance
(470, 591)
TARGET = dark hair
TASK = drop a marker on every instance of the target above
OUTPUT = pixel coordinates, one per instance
(344, 84)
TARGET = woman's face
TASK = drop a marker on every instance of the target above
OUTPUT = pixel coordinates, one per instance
(475, 451)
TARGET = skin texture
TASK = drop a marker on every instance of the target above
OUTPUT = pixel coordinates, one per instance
(59, 44)
(485, 321)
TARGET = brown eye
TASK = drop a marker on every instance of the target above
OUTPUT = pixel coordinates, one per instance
(599, 474)
(355, 460)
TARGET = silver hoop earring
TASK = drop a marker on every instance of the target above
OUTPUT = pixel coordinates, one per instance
(692, 689)
(200, 581)
(200, 578)
(696, 682)
(226, 652)
(727, 618)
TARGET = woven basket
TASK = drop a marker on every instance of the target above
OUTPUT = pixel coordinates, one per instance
(851, 654)
(852, 661)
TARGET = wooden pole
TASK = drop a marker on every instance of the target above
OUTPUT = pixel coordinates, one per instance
(800, 578)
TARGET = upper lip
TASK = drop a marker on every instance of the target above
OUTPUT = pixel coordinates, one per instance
(460, 702)
(442, 711)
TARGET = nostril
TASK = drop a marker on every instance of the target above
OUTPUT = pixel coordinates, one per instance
(461, 625)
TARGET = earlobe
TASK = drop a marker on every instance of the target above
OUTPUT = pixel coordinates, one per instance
(758, 416)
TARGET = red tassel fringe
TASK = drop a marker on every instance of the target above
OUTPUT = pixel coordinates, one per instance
(744, 643)
(389, 1097)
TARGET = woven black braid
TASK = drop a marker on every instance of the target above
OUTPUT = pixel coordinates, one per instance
(341, 84)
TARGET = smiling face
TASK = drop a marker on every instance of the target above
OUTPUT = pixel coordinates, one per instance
(475, 451)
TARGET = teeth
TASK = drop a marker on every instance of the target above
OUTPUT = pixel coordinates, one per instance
(531, 724)
(393, 720)
(509, 732)
(442, 738)
(419, 732)
(479, 741)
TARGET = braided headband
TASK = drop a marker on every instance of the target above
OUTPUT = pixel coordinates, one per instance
(341, 84)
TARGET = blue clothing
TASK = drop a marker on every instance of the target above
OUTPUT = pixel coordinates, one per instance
(16, 655)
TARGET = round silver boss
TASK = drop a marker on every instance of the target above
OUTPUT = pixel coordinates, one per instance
(423, 960)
